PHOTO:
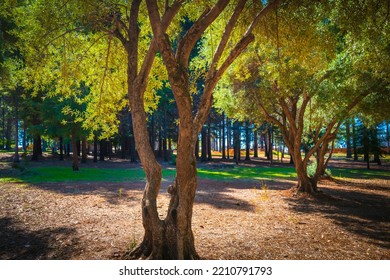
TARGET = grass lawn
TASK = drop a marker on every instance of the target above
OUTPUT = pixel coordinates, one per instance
(360, 173)
(36, 175)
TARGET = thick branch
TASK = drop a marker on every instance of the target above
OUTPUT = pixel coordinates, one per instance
(262, 13)
(162, 40)
(301, 114)
(326, 138)
(289, 115)
(226, 35)
(132, 45)
(267, 115)
(187, 43)
(146, 67)
(211, 82)
(214, 75)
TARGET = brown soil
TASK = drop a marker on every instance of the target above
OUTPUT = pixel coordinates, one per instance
(235, 219)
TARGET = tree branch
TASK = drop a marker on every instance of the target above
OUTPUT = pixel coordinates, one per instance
(214, 75)
(146, 66)
(132, 44)
(187, 43)
(162, 40)
(226, 35)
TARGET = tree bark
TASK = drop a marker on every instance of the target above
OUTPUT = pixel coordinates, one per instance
(304, 183)
(37, 147)
(163, 239)
(255, 143)
(102, 148)
(173, 236)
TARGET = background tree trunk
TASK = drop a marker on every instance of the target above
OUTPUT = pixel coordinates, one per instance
(204, 144)
(75, 157)
(209, 150)
(247, 142)
(61, 140)
(236, 142)
(255, 143)
(16, 156)
(197, 149)
(84, 154)
(348, 138)
(228, 138)
(8, 134)
(95, 148)
(354, 140)
(133, 151)
(366, 146)
(375, 143)
(37, 147)
(102, 149)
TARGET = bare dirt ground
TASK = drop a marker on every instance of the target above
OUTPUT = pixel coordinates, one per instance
(236, 219)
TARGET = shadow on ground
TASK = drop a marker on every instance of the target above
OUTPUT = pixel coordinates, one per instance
(19, 244)
(360, 213)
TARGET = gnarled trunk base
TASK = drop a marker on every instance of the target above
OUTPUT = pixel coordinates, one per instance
(167, 250)
(168, 239)
(307, 185)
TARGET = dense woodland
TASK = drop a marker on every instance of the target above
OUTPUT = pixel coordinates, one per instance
(190, 81)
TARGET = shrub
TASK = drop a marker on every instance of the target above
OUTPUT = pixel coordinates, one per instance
(311, 169)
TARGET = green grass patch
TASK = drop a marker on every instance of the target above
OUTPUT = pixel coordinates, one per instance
(248, 173)
(11, 180)
(38, 175)
(360, 173)
(49, 174)
(66, 174)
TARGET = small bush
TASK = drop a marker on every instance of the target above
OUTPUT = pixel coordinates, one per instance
(311, 169)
